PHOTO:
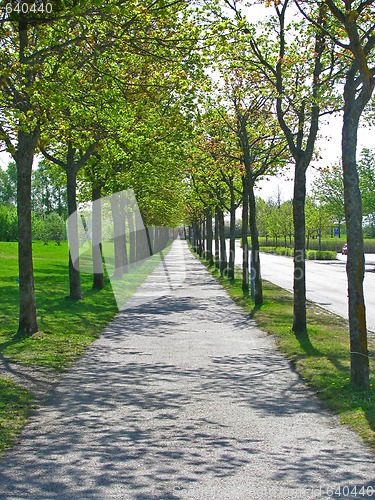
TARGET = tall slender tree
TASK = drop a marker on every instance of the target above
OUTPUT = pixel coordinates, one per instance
(299, 84)
(351, 27)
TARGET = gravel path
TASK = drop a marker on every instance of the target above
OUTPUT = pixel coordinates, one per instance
(183, 397)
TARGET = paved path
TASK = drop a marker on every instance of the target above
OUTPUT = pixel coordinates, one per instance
(183, 398)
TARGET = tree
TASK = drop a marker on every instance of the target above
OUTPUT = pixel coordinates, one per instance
(317, 220)
(38, 49)
(8, 223)
(351, 28)
(245, 144)
(52, 228)
(299, 84)
(48, 190)
(8, 185)
(23, 66)
(263, 216)
(34, 44)
(328, 189)
(285, 216)
(359, 86)
(366, 173)
(274, 225)
(73, 160)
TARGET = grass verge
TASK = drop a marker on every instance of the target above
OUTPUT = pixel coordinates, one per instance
(321, 357)
(15, 405)
(66, 327)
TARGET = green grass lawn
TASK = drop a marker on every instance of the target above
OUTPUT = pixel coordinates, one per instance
(66, 327)
(322, 357)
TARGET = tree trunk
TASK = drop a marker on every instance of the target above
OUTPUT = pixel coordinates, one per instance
(125, 260)
(118, 241)
(217, 244)
(141, 247)
(194, 236)
(157, 238)
(71, 186)
(132, 237)
(209, 236)
(165, 237)
(232, 235)
(97, 254)
(244, 231)
(255, 255)
(203, 254)
(28, 323)
(299, 278)
(223, 251)
(200, 240)
(355, 267)
(149, 233)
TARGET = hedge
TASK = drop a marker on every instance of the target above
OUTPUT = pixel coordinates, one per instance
(310, 254)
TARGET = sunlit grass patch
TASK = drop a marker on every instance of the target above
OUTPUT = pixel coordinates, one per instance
(15, 404)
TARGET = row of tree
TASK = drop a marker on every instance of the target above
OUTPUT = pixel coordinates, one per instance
(276, 80)
(48, 188)
(103, 91)
(189, 105)
(324, 207)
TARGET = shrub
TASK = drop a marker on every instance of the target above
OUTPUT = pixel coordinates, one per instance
(310, 254)
(321, 255)
(8, 223)
(50, 227)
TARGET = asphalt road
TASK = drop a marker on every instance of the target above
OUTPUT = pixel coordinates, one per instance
(326, 282)
(183, 398)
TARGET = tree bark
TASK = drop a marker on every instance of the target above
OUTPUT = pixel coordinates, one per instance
(97, 253)
(255, 255)
(149, 233)
(217, 244)
(355, 268)
(125, 259)
(199, 239)
(141, 246)
(194, 242)
(223, 251)
(118, 242)
(299, 277)
(27, 141)
(244, 231)
(132, 237)
(157, 246)
(71, 187)
(232, 234)
(209, 256)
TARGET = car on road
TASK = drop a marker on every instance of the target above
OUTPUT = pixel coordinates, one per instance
(344, 249)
